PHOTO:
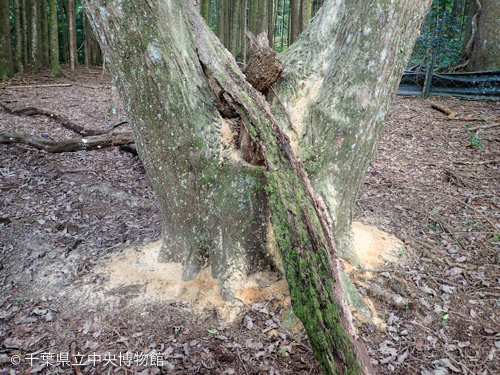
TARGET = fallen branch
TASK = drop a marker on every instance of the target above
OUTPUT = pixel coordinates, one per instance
(58, 116)
(37, 86)
(477, 162)
(97, 142)
(462, 118)
(474, 128)
(443, 109)
(393, 299)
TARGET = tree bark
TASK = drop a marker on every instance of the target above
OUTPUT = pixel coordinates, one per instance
(294, 23)
(73, 55)
(305, 13)
(205, 10)
(6, 67)
(34, 37)
(55, 68)
(243, 30)
(216, 204)
(86, 46)
(485, 48)
(45, 34)
(18, 50)
(25, 33)
(235, 28)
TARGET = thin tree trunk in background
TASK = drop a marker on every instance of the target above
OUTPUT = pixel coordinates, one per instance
(64, 24)
(45, 33)
(6, 67)
(227, 22)
(34, 37)
(254, 13)
(39, 44)
(243, 29)
(270, 22)
(294, 24)
(205, 10)
(262, 17)
(73, 56)
(25, 33)
(306, 13)
(235, 27)
(55, 68)
(85, 39)
(18, 53)
(221, 27)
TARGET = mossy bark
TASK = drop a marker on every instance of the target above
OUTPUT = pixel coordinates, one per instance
(172, 75)
(340, 78)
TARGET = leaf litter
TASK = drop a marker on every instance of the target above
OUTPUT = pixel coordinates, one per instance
(65, 215)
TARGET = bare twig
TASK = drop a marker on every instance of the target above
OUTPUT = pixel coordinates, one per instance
(477, 162)
(16, 87)
(239, 357)
(474, 128)
(58, 116)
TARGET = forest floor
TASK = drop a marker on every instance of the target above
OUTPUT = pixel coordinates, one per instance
(65, 217)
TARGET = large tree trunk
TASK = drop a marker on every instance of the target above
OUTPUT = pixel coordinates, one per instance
(340, 79)
(483, 43)
(186, 100)
(6, 68)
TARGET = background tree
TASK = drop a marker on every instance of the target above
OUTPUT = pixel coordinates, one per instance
(214, 202)
(55, 68)
(6, 68)
(34, 62)
(18, 49)
(483, 47)
(71, 13)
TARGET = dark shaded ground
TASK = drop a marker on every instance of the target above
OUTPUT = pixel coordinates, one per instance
(431, 183)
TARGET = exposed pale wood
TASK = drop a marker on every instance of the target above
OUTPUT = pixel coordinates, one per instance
(263, 69)
(443, 109)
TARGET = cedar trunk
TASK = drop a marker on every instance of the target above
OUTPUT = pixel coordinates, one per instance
(186, 100)
(55, 68)
(6, 67)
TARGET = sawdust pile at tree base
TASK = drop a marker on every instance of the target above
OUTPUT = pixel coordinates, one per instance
(164, 280)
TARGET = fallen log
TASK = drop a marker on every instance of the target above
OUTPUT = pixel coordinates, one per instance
(98, 142)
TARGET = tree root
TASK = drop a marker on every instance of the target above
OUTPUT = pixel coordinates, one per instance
(97, 142)
(58, 116)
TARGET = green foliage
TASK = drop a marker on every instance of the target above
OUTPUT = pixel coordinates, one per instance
(474, 140)
(452, 36)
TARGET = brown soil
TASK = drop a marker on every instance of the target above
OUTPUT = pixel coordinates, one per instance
(74, 269)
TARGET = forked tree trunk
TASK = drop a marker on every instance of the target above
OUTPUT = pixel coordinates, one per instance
(188, 101)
